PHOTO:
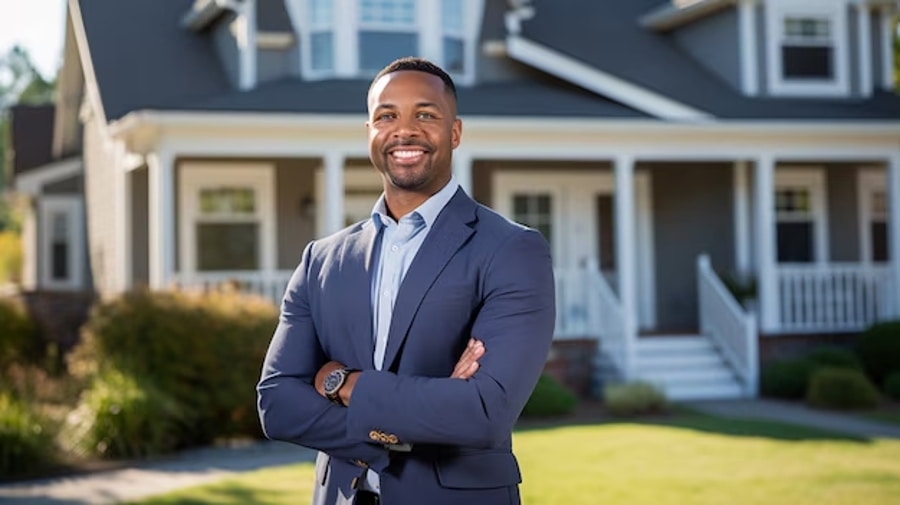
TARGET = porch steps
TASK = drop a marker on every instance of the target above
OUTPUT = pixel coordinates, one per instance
(686, 367)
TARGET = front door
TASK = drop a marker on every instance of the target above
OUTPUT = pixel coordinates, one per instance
(575, 213)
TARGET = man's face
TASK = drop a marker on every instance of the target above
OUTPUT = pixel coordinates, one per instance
(413, 130)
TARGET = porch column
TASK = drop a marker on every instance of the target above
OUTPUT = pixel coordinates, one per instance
(334, 192)
(766, 260)
(122, 220)
(741, 219)
(462, 170)
(893, 201)
(161, 189)
(625, 254)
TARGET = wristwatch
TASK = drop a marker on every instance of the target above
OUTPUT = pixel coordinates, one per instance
(334, 381)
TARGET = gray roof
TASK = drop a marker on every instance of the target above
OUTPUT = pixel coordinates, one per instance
(31, 136)
(145, 59)
(608, 36)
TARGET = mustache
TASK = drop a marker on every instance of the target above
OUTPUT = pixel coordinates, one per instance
(406, 143)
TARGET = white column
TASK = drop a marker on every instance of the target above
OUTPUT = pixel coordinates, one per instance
(748, 42)
(161, 188)
(741, 219)
(887, 49)
(334, 193)
(122, 220)
(864, 41)
(766, 260)
(893, 198)
(625, 254)
(462, 170)
(245, 33)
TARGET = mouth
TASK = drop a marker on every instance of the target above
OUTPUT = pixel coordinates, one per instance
(407, 154)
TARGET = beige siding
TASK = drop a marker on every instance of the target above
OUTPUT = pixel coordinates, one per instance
(98, 167)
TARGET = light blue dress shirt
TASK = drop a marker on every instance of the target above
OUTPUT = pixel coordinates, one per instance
(397, 243)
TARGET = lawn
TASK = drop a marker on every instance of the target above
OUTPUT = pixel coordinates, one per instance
(684, 460)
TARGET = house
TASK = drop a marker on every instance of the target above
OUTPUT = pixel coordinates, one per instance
(662, 147)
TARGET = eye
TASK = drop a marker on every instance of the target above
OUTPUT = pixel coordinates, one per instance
(384, 116)
(425, 115)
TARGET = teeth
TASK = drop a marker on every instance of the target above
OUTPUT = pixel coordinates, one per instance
(406, 154)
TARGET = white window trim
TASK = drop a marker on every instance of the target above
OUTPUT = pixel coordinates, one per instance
(509, 182)
(72, 207)
(836, 12)
(196, 176)
(869, 181)
(812, 179)
(346, 26)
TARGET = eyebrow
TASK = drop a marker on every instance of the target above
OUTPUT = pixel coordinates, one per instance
(419, 104)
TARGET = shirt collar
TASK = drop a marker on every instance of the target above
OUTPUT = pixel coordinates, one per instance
(428, 210)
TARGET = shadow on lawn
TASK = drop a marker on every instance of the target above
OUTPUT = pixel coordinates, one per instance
(682, 417)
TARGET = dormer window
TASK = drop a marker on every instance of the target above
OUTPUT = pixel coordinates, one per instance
(807, 47)
(356, 38)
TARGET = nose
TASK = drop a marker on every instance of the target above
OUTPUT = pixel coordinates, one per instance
(406, 127)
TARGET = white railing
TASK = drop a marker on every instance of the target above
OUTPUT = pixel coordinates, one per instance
(268, 285)
(832, 297)
(732, 330)
(586, 306)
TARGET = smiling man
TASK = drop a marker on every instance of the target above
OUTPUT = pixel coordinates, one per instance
(409, 343)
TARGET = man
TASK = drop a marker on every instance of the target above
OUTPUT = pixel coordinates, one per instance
(409, 343)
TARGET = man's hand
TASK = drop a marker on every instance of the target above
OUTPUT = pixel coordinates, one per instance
(468, 363)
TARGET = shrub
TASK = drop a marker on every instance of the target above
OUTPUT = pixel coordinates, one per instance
(26, 443)
(202, 351)
(786, 378)
(879, 350)
(549, 399)
(120, 416)
(832, 356)
(634, 398)
(841, 388)
(892, 386)
(17, 334)
(10, 257)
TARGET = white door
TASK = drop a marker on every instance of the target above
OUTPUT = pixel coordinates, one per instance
(575, 213)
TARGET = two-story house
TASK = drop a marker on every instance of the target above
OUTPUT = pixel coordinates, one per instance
(658, 145)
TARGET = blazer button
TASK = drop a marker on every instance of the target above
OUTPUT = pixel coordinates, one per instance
(374, 435)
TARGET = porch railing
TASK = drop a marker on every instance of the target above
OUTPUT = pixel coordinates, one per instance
(832, 297)
(731, 329)
(586, 306)
(268, 285)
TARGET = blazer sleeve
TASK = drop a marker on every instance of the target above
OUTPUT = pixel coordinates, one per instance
(516, 324)
(290, 409)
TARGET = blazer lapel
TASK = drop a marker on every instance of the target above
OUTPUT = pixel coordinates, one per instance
(450, 231)
(356, 261)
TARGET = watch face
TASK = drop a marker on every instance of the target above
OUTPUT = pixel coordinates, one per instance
(333, 381)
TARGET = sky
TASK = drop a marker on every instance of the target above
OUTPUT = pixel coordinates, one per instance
(37, 25)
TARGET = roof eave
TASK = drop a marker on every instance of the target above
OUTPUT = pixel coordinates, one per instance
(681, 12)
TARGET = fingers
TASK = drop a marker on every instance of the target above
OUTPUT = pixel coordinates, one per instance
(467, 364)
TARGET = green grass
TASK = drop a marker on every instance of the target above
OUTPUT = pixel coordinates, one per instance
(685, 459)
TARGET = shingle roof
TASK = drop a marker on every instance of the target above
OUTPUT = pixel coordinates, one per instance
(31, 135)
(608, 36)
(271, 16)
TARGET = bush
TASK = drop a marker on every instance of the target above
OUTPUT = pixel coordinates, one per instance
(841, 388)
(892, 386)
(202, 351)
(10, 257)
(17, 334)
(879, 350)
(786, 378)
(122, 417)
(831, 356)
(26, 445)
(549, 399)
(634, 398)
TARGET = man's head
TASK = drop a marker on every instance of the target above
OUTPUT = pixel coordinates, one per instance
(413, 128)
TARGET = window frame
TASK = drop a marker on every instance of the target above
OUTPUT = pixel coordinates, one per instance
(72, 208)
(833, 11)
(869, 182)
(813, 180)
(197, 176)
(346, 28)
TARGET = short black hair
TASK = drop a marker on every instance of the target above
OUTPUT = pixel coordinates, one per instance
(419, 65)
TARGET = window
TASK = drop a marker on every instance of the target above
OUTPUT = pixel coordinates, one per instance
(807, 51)
(799, 212)
(878, 226)
(228, 218)
(62, 242)
(534, 211)
(873, 206)
(356, 38)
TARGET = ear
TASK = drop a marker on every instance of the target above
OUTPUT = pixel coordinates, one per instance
(456, 133)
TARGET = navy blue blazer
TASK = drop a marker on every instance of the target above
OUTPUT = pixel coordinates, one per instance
(476, 275)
